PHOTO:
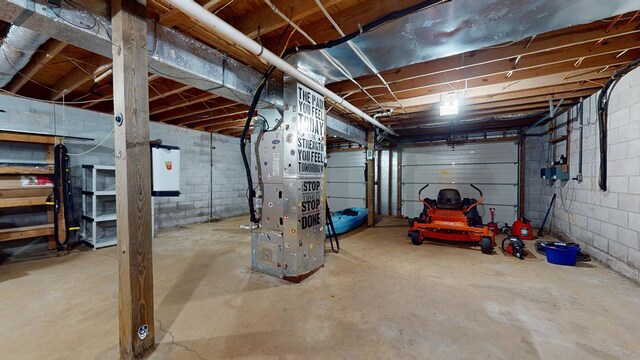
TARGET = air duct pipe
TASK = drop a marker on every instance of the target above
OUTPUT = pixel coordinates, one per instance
(17, 49)
(219, 26)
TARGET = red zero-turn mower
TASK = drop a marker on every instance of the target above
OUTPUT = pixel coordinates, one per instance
(449, 218)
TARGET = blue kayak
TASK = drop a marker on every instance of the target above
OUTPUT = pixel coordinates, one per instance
(348, 219)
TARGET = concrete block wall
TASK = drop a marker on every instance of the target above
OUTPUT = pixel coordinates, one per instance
(607, 224)
(212, 181)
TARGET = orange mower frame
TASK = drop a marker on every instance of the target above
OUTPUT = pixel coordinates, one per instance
(450, 223)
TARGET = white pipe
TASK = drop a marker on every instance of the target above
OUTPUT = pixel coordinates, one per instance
(219, 26)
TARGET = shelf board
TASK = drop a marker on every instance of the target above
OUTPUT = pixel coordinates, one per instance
(99, 167)
(24, 170)
(22, 201)
(100, 218)
(100, 193)
(27, 138)
(26, 232)
(102, 242)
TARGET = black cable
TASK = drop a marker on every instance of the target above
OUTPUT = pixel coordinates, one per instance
(290, 51)
(603, 113)
(372, 25)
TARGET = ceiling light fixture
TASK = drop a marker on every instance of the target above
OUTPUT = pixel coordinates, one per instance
(449, 104)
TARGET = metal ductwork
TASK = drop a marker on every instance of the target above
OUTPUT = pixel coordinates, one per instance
(17, 49)
(455, 28)
(171, 54)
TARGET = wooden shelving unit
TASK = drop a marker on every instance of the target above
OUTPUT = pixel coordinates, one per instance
(18, 196)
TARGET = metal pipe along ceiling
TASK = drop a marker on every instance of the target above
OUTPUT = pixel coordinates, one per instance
(221, 27)
(17, 49)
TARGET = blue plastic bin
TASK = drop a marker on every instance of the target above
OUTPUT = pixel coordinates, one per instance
(562, 254)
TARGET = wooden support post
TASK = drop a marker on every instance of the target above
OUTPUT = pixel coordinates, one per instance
(399, 182)
(522, 174)
(378, 179)
(390, 181)
(371, 137)
(133, 177)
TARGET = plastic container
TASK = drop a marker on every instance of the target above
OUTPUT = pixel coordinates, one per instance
(562, 254)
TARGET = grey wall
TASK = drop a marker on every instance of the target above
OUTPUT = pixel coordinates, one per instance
(605, 223)
(212, 180)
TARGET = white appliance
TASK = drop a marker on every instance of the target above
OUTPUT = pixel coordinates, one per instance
(165, 168)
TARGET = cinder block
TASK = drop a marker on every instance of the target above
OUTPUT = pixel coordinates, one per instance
(618, 250)
(634, 185)
(634, 221)
(629, 202)
(619, 217)
(609, 199)
(633, 258)
(608, 230)
(618, 151)
(619, 118)
(631, 131)
(593, 225)
(618, 184)
(628, 237)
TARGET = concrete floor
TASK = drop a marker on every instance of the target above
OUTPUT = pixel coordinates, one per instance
(381, 298)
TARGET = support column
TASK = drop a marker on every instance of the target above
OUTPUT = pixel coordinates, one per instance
(378, 199)
(522, 172)
(371, 137)
(133, 177)
(399, 182)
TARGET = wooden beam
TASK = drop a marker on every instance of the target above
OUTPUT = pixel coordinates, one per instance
(133, 178)
(522, 172)
(45, 54)
(174, 90)
(182, 103)
(379, 180)
(194, 109)
(350, 16)
(399, 183)
(493, 74)
(389, 187)
(77, 77)
(563, 43)
(264, 20)
(169, 18)
(496, 84)
(371, 217)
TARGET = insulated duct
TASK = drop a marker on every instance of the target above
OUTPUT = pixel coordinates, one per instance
(172, 55)
(17, 49)
(454, 28)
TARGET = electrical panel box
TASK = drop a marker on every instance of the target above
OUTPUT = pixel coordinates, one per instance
(165, 167)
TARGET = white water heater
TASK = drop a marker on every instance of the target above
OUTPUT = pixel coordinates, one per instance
(165, 168)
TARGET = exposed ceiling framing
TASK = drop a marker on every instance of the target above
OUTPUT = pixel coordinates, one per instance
(515, 79)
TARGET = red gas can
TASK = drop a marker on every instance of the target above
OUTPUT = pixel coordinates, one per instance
(522, 228)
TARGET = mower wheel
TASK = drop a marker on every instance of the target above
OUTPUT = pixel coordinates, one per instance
(485, 245)
(416, 239)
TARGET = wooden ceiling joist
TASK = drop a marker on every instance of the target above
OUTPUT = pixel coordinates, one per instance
(193, 110)
(45, 54)
(264, 20)
(585, 35)
(79, 76)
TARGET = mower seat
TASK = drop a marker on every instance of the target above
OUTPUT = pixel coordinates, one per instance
(449, 199)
